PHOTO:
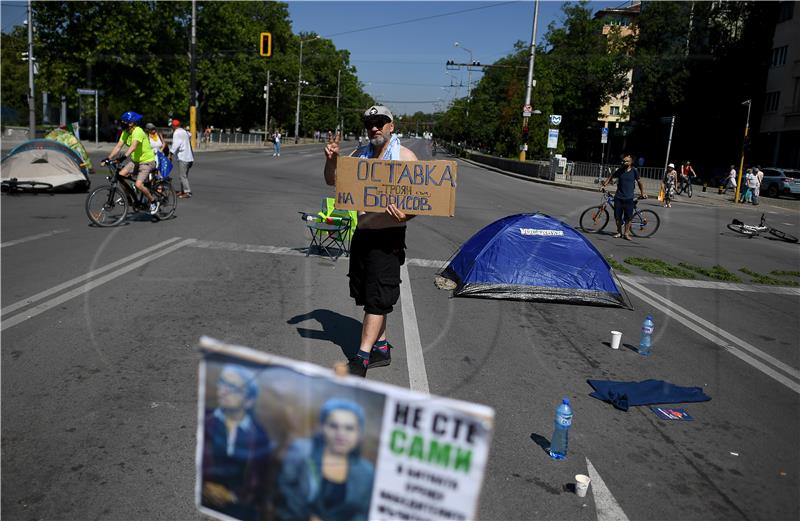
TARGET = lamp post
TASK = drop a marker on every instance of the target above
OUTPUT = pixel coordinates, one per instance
(299, 83)
(749, 103)
(531, 83)
(266, 108)
(469, 75)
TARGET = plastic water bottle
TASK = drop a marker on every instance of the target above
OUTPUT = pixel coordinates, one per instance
(307, 217)
(560, 440)
(647, 332)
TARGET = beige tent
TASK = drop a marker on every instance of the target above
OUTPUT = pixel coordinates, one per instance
(46, 161)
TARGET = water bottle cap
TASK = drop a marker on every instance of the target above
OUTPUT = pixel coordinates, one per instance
(649, 317)
(565, 401)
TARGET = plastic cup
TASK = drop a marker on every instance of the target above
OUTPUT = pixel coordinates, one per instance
(581, 484)
(616, 339)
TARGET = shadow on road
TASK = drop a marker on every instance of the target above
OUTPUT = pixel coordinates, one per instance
(341, 330)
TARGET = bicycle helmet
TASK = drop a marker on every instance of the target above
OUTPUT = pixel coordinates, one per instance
(131, 117)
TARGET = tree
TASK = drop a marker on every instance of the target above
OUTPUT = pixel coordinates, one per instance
(14, 76)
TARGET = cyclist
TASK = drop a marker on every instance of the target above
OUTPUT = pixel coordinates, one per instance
(141, 155)
(687, 172)
(627, 177)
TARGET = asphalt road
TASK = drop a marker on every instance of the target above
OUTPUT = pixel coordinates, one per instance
(99, 363)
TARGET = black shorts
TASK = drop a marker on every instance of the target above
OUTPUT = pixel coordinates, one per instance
(375, 260)
(623, 206)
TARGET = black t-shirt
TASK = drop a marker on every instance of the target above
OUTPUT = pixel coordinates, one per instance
(626, 183)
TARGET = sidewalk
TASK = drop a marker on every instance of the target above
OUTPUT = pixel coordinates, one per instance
(711, 197)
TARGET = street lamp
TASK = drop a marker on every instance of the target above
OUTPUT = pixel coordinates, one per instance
(299, 83)
(469, 75)
(749, 103)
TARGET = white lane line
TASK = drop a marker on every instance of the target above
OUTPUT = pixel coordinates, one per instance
(710, 284)
(417, 374)
(250, 248)
(718, 336)
(55, 289)
(41, 308)
(606, 506)
(30, 238)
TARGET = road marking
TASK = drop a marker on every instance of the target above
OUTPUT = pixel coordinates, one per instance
(718, 336)
(31, 238)
(44, 294)
(606, 506)
(41, 308)
(710, 284)
(417, 374)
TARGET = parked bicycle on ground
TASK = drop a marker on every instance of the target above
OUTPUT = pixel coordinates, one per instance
(108, 205)
(644, 222)
(751, 230)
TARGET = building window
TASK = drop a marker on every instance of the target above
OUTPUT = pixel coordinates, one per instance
(779, 56)
(615, 111)
(785, 11)
(771, 102)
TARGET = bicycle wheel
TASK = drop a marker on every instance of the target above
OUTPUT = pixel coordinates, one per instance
(782, 235)
(740, 228)
(107, 206)
(594, 219)
(166, 197)
(645, 223)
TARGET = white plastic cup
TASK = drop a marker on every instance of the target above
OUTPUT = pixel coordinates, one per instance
(616, 339)
(581, 484)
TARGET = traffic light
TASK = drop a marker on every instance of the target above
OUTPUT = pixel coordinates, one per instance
(266, 44)
(476, 64)
(525, 134)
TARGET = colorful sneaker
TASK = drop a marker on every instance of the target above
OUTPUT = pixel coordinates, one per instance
(356, 367)
(154, 207)
(379, 358)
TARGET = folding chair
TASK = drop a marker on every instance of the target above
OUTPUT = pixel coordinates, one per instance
(331, 229)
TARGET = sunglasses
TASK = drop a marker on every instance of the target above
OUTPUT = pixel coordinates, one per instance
(378, 122)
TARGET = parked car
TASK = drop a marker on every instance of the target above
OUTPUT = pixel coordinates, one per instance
(780, 181)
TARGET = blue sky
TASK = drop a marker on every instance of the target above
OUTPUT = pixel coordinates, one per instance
(403, 65)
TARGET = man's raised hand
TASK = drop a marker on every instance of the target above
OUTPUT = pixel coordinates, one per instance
(332, 148)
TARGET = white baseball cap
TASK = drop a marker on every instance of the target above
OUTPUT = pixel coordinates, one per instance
(671, 165)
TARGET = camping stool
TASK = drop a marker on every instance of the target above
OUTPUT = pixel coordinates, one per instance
(329, 235)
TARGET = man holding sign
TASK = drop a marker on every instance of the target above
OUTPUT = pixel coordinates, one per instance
(378, 247)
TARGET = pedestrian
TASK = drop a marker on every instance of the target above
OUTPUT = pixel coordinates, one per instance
(730, 182)
(759, 177)
(276, 144)
(378, 246)
(627, 177)
(157, 142)
(750, 181)
(236, 448)
(640, 161)
(670, 180)
(183, 156)
(207, 135)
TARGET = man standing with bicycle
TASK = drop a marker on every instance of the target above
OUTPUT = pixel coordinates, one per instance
(141, 155)
(627, 177)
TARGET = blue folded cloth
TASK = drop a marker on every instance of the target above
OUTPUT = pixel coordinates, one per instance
(647, 392)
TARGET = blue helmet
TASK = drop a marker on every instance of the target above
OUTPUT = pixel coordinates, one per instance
(131, 117)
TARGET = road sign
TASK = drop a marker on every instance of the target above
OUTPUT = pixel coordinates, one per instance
(266, 44)
(87, 92)
(604, 137)
(527, 108)
(555, 119)
(604, 131)
(552, 138)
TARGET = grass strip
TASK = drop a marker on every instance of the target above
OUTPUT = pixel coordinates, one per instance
(759, 278)
(716, 272)
(659, 267)
(618, 266)
(784, 273)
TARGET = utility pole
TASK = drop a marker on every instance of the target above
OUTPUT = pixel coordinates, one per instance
(749, 103)
(669, 143)
(338, 80)
(193, 79)
(31, 96)
(529, 89)
(266, 109)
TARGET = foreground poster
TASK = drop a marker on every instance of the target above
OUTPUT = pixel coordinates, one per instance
(284, 440)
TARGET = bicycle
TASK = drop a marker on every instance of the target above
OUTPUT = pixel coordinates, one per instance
(751, 231)
(13, 186)
(684, 187)
(108, 205)
(644, 223)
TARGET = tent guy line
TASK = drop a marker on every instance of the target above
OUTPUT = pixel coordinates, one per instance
(31, 238)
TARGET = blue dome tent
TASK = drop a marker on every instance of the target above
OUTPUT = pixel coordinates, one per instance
(533, 257)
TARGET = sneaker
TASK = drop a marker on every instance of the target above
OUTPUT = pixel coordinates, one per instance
(185, 195)
(378, 358)
(154, 207)
(355, 366)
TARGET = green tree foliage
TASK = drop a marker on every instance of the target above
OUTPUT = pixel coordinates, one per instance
(14, 76)
(138, 54)
(699, 61)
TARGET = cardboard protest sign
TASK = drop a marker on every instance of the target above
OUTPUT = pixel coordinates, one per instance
(415, 187)
(281, 440)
